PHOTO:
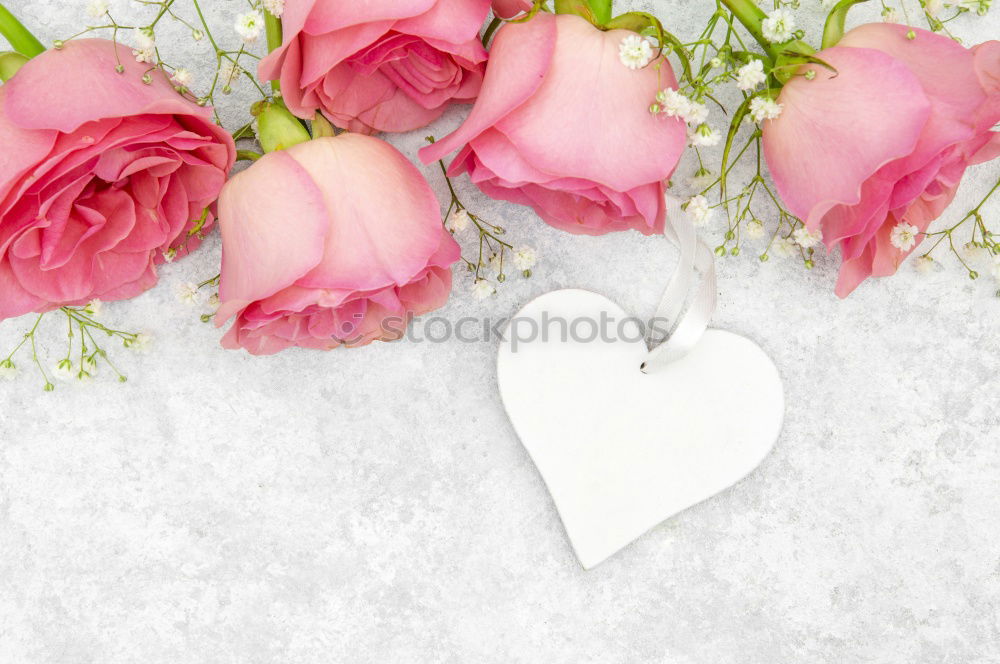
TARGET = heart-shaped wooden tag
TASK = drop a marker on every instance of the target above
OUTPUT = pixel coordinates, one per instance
(620, 450)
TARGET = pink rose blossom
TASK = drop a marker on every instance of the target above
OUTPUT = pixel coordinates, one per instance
(563, 126)
(392, 65)
(335, 241)
(885, 140)
(100, 174)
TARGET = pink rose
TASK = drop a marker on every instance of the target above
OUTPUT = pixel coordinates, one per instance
(100, 174)
(335, 241)
(563, 126)
(511, 8)
(884, 141)
(394, 65)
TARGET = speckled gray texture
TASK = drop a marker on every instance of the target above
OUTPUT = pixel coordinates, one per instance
(374, 506)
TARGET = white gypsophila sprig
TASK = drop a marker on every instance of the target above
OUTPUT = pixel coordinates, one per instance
(97, 8)
(699, 210)
(925, 264)
(182, 78)
(64, 370)
(189, 293)
(779, 26)
(904, 236)
(890, 15)
(675, 104)
(635, 52)
(250, 26)
(8, 370)
(704, 136)
(140, 343)
(274, 7)
(458, 221)
(980, 7)
(783, 247)
(755, 228)
(483, 289)
(763, 108)
(145, 46)
(806, 238)
(750, 75)
(524, 258)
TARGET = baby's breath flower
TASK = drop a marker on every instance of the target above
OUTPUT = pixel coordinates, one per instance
(140, 343)
(89, 366)
(925, 264)
(496, 262)
(750, 75)
(675, 104)
(981, 7)
(275, 7)
(8, 370)
(250, 25)
(214, 301)
(524, 258)
(715, 62)
(779, 26)
(973, 253)
(97, 8)
(635, 52)
(145, 46)
(933, 7)
(762, 108)
(755, 228)
(181, 78)
(890, 15)
(458, 221)
(483, 289)
(702, 179)
(806, 238)
(94, 308)
(64, 370)
(699, 210)
(904, 236)
(188, 293)
(704, 135)
(783, 247)
(169, 255)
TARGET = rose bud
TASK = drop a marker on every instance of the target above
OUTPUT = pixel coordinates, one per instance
(511, 8)
(871, 154)
(334, 241)
(564, 126)
(102, 177)
(386, 66)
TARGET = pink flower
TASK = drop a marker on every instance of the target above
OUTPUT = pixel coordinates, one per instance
(335, 241)
(392, 65)
(511, 8)
(100, 174)
(883, 141)
(563, 126)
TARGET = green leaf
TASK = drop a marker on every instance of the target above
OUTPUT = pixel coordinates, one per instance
(836, 21)
(10, 64)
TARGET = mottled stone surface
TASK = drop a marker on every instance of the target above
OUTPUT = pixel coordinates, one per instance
(375, 506)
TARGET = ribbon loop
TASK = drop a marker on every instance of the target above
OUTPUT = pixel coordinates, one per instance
(685, 317)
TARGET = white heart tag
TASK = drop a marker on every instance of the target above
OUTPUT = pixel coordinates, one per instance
(620, 450)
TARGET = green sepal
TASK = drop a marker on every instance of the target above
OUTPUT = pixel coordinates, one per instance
(578, 8)
(321, 127)
(277, 128)
(10, 64)
(791, 56)
(833, 31)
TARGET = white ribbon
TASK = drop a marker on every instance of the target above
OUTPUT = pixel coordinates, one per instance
(684, 315)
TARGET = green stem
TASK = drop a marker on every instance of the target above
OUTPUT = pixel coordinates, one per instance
(494, 24)
(19, 37)
(752, 18)
(272, 26)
